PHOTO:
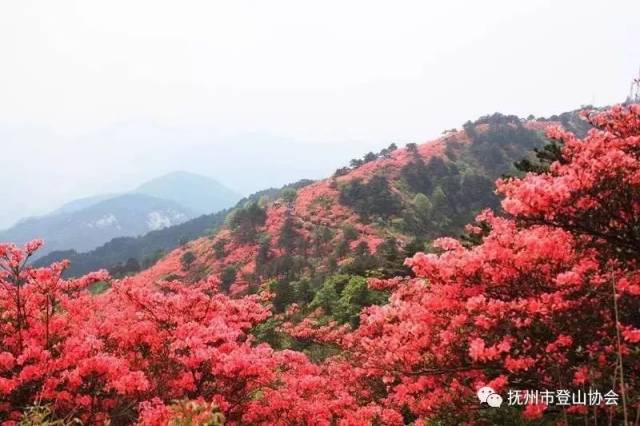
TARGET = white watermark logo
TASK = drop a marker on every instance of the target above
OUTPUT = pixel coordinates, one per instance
(559, 397)
(488, 395)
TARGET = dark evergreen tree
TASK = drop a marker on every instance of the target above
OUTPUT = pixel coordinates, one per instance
(218, 248)
(245, 221)
(187, 259)
(228, 277)
(264, 253)
(390, 259)
(373, 198)
(413, 148)
(417, 176)
(288, 236)
(370, 156)
(284, 295)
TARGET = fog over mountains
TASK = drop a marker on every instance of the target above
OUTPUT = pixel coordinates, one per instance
(292, 99)
(87, 223)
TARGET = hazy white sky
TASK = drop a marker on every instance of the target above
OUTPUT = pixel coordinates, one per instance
(99, 95)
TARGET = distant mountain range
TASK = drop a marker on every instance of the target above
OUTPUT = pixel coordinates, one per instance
(84, 224)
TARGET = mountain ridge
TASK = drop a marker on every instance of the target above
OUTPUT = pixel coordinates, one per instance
(86, 223)
(198, 193)
(87, 228)
(470, 158)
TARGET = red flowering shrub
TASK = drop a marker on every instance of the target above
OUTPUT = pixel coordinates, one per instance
(100, 357)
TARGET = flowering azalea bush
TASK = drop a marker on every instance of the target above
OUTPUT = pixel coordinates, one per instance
(135, 349)
(548, 300)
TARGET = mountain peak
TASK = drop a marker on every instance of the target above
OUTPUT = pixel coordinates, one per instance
(198, 193)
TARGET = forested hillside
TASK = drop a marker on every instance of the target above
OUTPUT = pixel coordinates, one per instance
(391, 203)
(127, 255)
(338, 302)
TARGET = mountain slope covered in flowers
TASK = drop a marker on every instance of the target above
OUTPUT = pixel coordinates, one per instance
(541, 294)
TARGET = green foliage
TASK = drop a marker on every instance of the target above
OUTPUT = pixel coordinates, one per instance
(187, 259)
(543, 158)
(321, 239)
(289, 195)
(422, 204)
(349, 232)
(343, 296)
(264, 252)
(42, 415)
(416, 245)
(342, 248)
(332, 264)
(286, 267)
(412, 148)
(450, 150)
(267, 332)
(228, 277)
(373, 198)
(356, 295)
(386, 152)
(218, 248)
(288, 237)
(287, 292)
(504, 141)
(441, 209)
(327, 296)
(370, 156)
(131, 266)
(341, 172)
(418, 215)
(172, 277)
(417, 176)
(322, 201)
(439, 169)
(283, 294)
(362, 262)
(445, 198)
(244, 222)
(390, 259)
(303, 291)
(355, 163)
(99, 287)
